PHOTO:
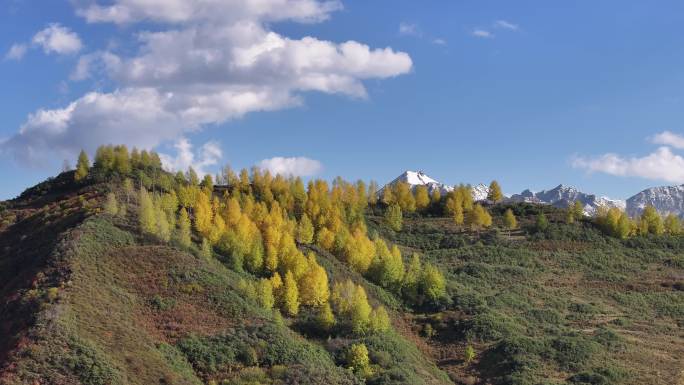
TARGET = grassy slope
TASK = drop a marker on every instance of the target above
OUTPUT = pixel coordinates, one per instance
(125, 310)
(570, 305)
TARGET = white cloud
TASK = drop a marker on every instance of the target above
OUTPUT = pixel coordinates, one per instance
(506, 25)
(208, 62)
(58, 39)
(439, 41)
(408, 29)
(295, 166)
(208, 155)
(16, 52)
(481, 33)
(662, 164)
(669, 138)
(214, 11)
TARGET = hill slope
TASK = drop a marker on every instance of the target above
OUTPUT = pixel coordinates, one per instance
(87, 298)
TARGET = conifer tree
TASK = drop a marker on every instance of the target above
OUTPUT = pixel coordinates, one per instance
(414, 273)
(305, 230)
(479, 217)
(624, 226)
(388, 197)
(192, 177)
(203, 214)
(379, 320)
(495, 195)
(183, 232)
(360, 311)
(404, 197)
(422, 198)
(394, 217)
(313, 286)
(358, 361)
(542, 223)
(436, 196)
(111, 204)
(433, 283)
(264, 292)
(652, 221)
(290, 304)
(146, 214)
(373, 193)
(163, 227)
(509, 220)
(82, 166)
(672, 225)
(325, 319)
(121, 162)
(205, 250)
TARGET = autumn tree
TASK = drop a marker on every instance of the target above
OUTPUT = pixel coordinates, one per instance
(651, 221)
(387, 269)
(264, 293)
(325, 319)
(435, 196)
(422, 198)
(509, 220)
(111, 204)
(379, 320)
(82, 166)
(575, 212)
(479, 217)
(313, 286)
(412, 278)
(146, 214)
(290, 296)
(203, 214)
(373, 193)
(433, 284)
(672, 225)
(394, 217)
(305, 230)
(183, 231)
(358, 360)
(495, 195)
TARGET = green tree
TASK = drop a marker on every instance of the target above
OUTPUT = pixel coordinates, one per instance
(373, 193)
(82, 166)
(495, 194)
(542, 223)
(205, 250)
(393, 217)
(469, 354)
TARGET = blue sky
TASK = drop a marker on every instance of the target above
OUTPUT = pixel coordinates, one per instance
(530, 93)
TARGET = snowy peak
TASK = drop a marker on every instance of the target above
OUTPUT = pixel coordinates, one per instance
(666, 199)
(419, 178)
(564, 196)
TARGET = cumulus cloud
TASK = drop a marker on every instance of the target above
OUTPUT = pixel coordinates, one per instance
(506, 25)
(208, 155)
(16, 52)
(58, 39)
(295, 166)
(215, 11)
(662, 164)
(669, 139)
(481, 33)
(208, 62)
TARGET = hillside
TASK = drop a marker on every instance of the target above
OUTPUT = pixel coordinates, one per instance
(90, 297)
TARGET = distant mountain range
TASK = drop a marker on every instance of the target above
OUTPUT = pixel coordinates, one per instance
(666, 199)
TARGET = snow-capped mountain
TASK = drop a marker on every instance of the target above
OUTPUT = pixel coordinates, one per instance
(418, 178)
(480, 192)
(666, 199)
(563, 196)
